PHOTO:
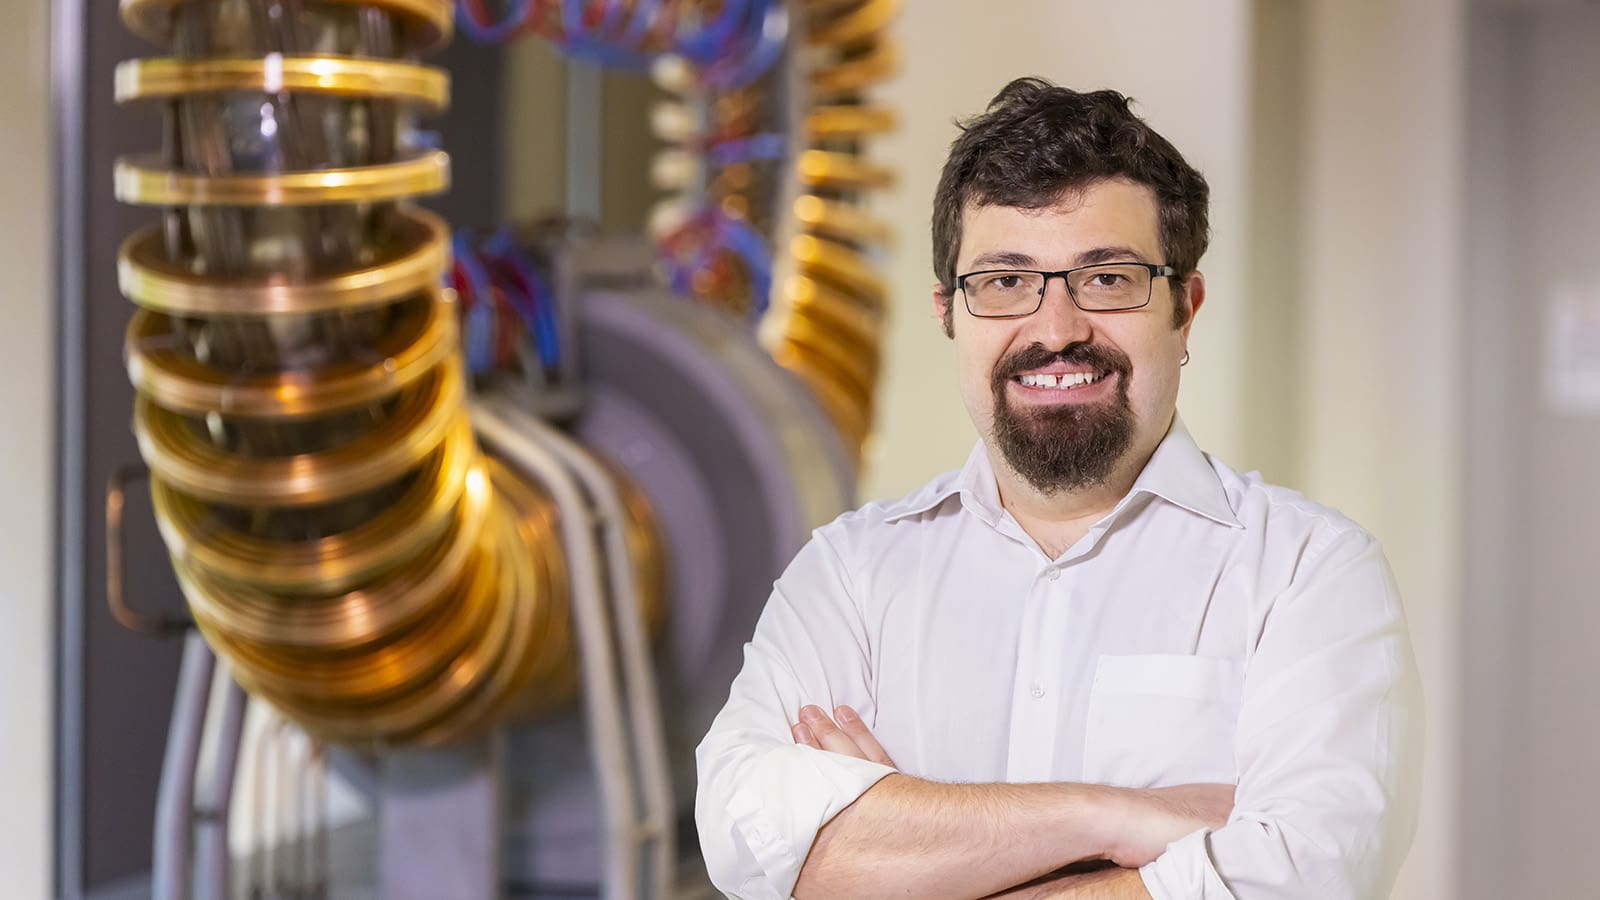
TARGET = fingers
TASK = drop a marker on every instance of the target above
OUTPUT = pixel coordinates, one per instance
(857, 730)
(849, 735)
(828, 736)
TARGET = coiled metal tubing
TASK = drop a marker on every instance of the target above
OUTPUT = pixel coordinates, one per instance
(341, 539)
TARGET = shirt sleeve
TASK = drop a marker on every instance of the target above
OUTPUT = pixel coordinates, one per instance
(1329, 747)
(761, 798)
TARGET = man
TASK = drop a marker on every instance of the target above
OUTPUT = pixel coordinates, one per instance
(1094, 642)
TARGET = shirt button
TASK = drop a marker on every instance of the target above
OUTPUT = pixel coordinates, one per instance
(1055, 574)
(1036, 690)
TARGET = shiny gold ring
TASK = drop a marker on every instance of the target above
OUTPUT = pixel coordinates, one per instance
(862, 23)
(178, 381)
(857, 73)
(841, 220)
(192, 464)
(848, 122)
(147, 79)
(841, 171)
(151, 185)
(840, 265)
(331, 564)
(430, 22)
(152, 279)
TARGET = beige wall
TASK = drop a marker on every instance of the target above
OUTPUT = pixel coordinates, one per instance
(27, 391)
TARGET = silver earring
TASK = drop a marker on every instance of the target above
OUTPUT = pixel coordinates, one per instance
(1185, 360)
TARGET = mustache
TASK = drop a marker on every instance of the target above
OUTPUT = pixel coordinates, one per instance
(1036, 356)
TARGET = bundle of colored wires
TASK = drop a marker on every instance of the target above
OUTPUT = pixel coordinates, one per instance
(504, 298)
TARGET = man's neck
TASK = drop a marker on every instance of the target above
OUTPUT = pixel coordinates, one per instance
(1058, 520)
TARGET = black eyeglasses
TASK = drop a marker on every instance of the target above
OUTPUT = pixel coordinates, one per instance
(1103, 287)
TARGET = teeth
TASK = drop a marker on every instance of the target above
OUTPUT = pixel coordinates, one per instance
(1070, 380)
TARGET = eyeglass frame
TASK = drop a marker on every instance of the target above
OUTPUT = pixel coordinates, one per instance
(1156, 271)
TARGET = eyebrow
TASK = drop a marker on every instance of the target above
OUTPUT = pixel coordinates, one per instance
(1086, 258)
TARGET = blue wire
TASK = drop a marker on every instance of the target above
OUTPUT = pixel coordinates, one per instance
(738, 70)
(758, 146)
(749, 245)
(479, 337)
(536, 307)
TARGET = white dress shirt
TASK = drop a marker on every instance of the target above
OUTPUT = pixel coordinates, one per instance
(1211, 628)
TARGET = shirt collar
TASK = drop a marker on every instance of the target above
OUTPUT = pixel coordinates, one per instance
(1177, 472)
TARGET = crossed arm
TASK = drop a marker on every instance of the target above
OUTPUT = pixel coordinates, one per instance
(928, 839)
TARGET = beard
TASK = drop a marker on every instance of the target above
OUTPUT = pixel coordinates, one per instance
(1070, 446)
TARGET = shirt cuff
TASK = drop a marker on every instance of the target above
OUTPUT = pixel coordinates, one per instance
(792, 792)
(1185, 872)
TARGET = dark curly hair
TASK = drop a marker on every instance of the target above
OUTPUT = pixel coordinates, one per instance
(1036, 142)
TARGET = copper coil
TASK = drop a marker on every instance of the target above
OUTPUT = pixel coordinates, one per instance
(838, 265)
(429, 23)
(843, 311)
(152, 279)
(148, 184)
(848, 122)
(849, 413)
(398, 665)
(356, 618)
(841, 171)
(857, 73)
(841, 221)
(863, 23)
(176, 380)
(149, 79)
(857, 372)
(333, 563)
(189, 461)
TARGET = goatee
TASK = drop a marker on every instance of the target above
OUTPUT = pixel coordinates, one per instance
(1068, 446)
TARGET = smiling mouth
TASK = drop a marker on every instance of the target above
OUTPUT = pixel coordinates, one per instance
(1063, 382)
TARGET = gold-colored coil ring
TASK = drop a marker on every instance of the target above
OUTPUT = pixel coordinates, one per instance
(152, 279)
(855, 350)
(177, 381)
(860, 24)
(376, 673)
(397, 715)
(329, 564)
(840, 265)
(825, 123)
(150, 184)
(841, 221)
(350, 620)
(192, 464)
(857, 73)
(857, 372)
(849, 413)
(847, 313)
(408, 719)
(841, 171)
(508, 681)
(152, 79)
(430, 22)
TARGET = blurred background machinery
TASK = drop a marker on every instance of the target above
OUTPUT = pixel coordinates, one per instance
(470, 523)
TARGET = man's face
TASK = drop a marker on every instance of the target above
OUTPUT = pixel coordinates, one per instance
(1060, 434)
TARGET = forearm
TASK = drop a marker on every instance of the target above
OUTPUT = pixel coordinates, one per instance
(927, 839)
(1102, 884)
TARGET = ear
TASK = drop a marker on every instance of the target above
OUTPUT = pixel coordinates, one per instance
(1194, 295)
(942, 310)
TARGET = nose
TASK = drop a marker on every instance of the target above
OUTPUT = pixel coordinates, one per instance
(1059, 322)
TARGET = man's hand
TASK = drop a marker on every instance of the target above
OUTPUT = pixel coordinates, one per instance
(1156, 817)
(849, 736)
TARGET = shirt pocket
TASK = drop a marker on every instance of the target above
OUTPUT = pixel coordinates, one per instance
(1160, 719)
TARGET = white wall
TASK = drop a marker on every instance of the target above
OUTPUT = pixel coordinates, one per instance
(27, 401)
(1186, 65)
